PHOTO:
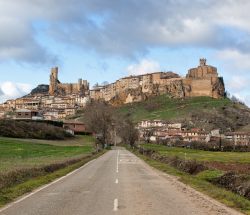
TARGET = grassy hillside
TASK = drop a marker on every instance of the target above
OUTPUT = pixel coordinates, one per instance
(195, 112)
(20, 154)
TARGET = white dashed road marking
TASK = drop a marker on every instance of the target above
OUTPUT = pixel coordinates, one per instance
(115, 205)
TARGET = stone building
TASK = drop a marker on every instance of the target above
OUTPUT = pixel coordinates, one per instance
(200, 81)
(204, 81)
(58, 88)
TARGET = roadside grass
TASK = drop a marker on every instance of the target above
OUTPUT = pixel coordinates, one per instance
(78, 140)
(19, 154)
(200, 155)
(169, 108)
(201, 183)
(11, 193)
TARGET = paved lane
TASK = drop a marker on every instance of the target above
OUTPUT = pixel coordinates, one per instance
(116, 183)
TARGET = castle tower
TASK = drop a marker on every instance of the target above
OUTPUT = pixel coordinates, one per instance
(53, 81)
(79, 86)
(203, 61)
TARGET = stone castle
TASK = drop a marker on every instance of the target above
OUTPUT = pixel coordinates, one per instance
(200, 81)
(57, 88)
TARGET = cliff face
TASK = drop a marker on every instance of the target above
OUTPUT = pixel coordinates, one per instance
(200, 81)
(176, 89)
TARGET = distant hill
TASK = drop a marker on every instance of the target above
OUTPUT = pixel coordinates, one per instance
(201, 112)
(40, 89)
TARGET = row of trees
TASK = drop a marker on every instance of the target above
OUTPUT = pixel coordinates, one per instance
(109, 125)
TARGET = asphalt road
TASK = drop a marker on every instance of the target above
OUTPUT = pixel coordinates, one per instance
(116, 183)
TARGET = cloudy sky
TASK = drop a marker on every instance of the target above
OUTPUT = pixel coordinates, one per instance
(103, 40)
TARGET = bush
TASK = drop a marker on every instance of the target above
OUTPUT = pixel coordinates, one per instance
(30, 129)
(189, 166)
(210, 146)
(152, 106)
(237, 183)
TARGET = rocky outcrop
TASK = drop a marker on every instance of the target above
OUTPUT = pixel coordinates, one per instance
(40, 89)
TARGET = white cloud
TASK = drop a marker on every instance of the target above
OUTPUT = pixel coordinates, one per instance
(238, 83)
(235, 59)
(125, 29)
(10, 90)
(143, 67)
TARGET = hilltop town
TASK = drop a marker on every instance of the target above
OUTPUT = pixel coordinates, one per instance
(200, 81)
(59, 100)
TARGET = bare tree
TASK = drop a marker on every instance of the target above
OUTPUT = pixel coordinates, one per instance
(127, 131)
(106, 123)
(147, 134)
(99, 118)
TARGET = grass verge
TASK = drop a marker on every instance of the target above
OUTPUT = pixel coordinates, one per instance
(10, 193)
(200, 155)
(200, 183)
(20, 154)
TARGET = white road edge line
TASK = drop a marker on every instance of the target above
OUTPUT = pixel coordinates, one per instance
(117, 162)
(115, 205)
(116, 181)
(45, 186)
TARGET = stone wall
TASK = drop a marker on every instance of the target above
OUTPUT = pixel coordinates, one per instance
(200, 81)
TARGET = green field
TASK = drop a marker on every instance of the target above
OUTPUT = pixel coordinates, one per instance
(164, 107)
(200, 155)
(19, 154)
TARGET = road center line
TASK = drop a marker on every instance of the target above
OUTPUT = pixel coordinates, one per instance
(117, 162)
(116, 181)
(115, 205)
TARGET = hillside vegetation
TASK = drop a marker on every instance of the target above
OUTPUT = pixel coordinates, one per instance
(203, 112)
(35, 130)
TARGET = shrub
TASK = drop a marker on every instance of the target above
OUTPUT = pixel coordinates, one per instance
(237, 183)
(29, 129)
(189, 166)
